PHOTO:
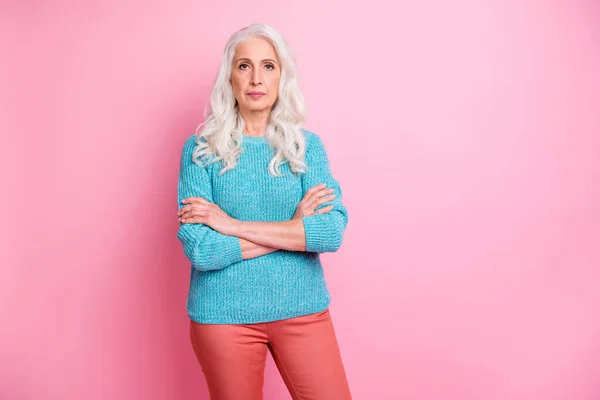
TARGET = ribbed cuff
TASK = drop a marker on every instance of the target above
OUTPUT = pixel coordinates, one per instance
(319, 233)
(208, 249)
(232, 250)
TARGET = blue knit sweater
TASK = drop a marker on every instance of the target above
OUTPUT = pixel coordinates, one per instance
(226, 289)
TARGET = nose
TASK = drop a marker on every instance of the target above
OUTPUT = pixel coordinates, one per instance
(256, 78)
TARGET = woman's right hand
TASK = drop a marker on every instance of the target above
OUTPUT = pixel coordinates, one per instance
(313, 198)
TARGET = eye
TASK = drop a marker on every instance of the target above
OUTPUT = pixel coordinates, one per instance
(270, 65)
(241, 65)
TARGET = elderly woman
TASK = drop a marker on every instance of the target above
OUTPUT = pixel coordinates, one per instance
(257, 206)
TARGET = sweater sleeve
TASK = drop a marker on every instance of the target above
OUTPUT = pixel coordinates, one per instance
(206, 248)
(323, 232)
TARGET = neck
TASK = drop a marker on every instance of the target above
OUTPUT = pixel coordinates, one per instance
(255, 121)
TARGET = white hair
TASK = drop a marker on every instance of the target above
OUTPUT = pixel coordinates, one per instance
(222, 129)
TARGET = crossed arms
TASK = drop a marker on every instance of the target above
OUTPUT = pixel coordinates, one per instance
(221, 240)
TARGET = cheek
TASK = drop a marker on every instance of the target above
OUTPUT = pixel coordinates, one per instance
(274, 84)
(236, 84)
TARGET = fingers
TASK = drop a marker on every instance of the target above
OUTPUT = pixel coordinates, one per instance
(320, 197)
(313, 193)
(314, 197)
(188, 213)
(185, 209)
(310, 193)
(325, 199)
(317, 187)
(324, 210)
(191, 200)
(195, 219)
(193, 203)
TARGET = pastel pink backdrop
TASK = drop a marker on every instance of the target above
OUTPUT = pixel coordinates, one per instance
(466, 139)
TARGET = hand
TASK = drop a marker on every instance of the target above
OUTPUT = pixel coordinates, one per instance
(314, 197)
(202, 211)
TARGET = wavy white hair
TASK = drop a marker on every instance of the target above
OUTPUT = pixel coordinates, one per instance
(223, 125)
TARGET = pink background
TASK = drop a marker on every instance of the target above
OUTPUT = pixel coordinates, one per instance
(465, 136)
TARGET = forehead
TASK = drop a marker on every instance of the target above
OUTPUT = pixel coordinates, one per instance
(255, 48)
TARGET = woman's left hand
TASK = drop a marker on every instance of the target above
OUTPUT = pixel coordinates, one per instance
(201, 211)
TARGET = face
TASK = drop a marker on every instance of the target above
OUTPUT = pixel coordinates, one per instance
(255, 75)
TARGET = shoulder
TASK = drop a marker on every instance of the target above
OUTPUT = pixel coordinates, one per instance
(314, 144)
(189, 147)
(309, 135)
(189, 144)
(195, 152)
(312, 139)
(192, 141)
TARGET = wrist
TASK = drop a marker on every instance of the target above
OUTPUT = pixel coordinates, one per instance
(238, 227)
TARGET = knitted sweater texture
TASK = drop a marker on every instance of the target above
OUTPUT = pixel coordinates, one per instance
(224, 287)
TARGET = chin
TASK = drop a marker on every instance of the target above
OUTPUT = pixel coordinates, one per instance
(260, 107)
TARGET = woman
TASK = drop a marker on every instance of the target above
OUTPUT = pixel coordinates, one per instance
(258, 204)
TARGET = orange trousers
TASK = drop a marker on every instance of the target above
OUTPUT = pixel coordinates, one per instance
(305, 350)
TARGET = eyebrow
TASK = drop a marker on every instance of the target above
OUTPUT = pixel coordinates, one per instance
(247, 59)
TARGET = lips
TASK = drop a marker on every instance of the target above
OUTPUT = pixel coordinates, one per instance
(256, 95)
